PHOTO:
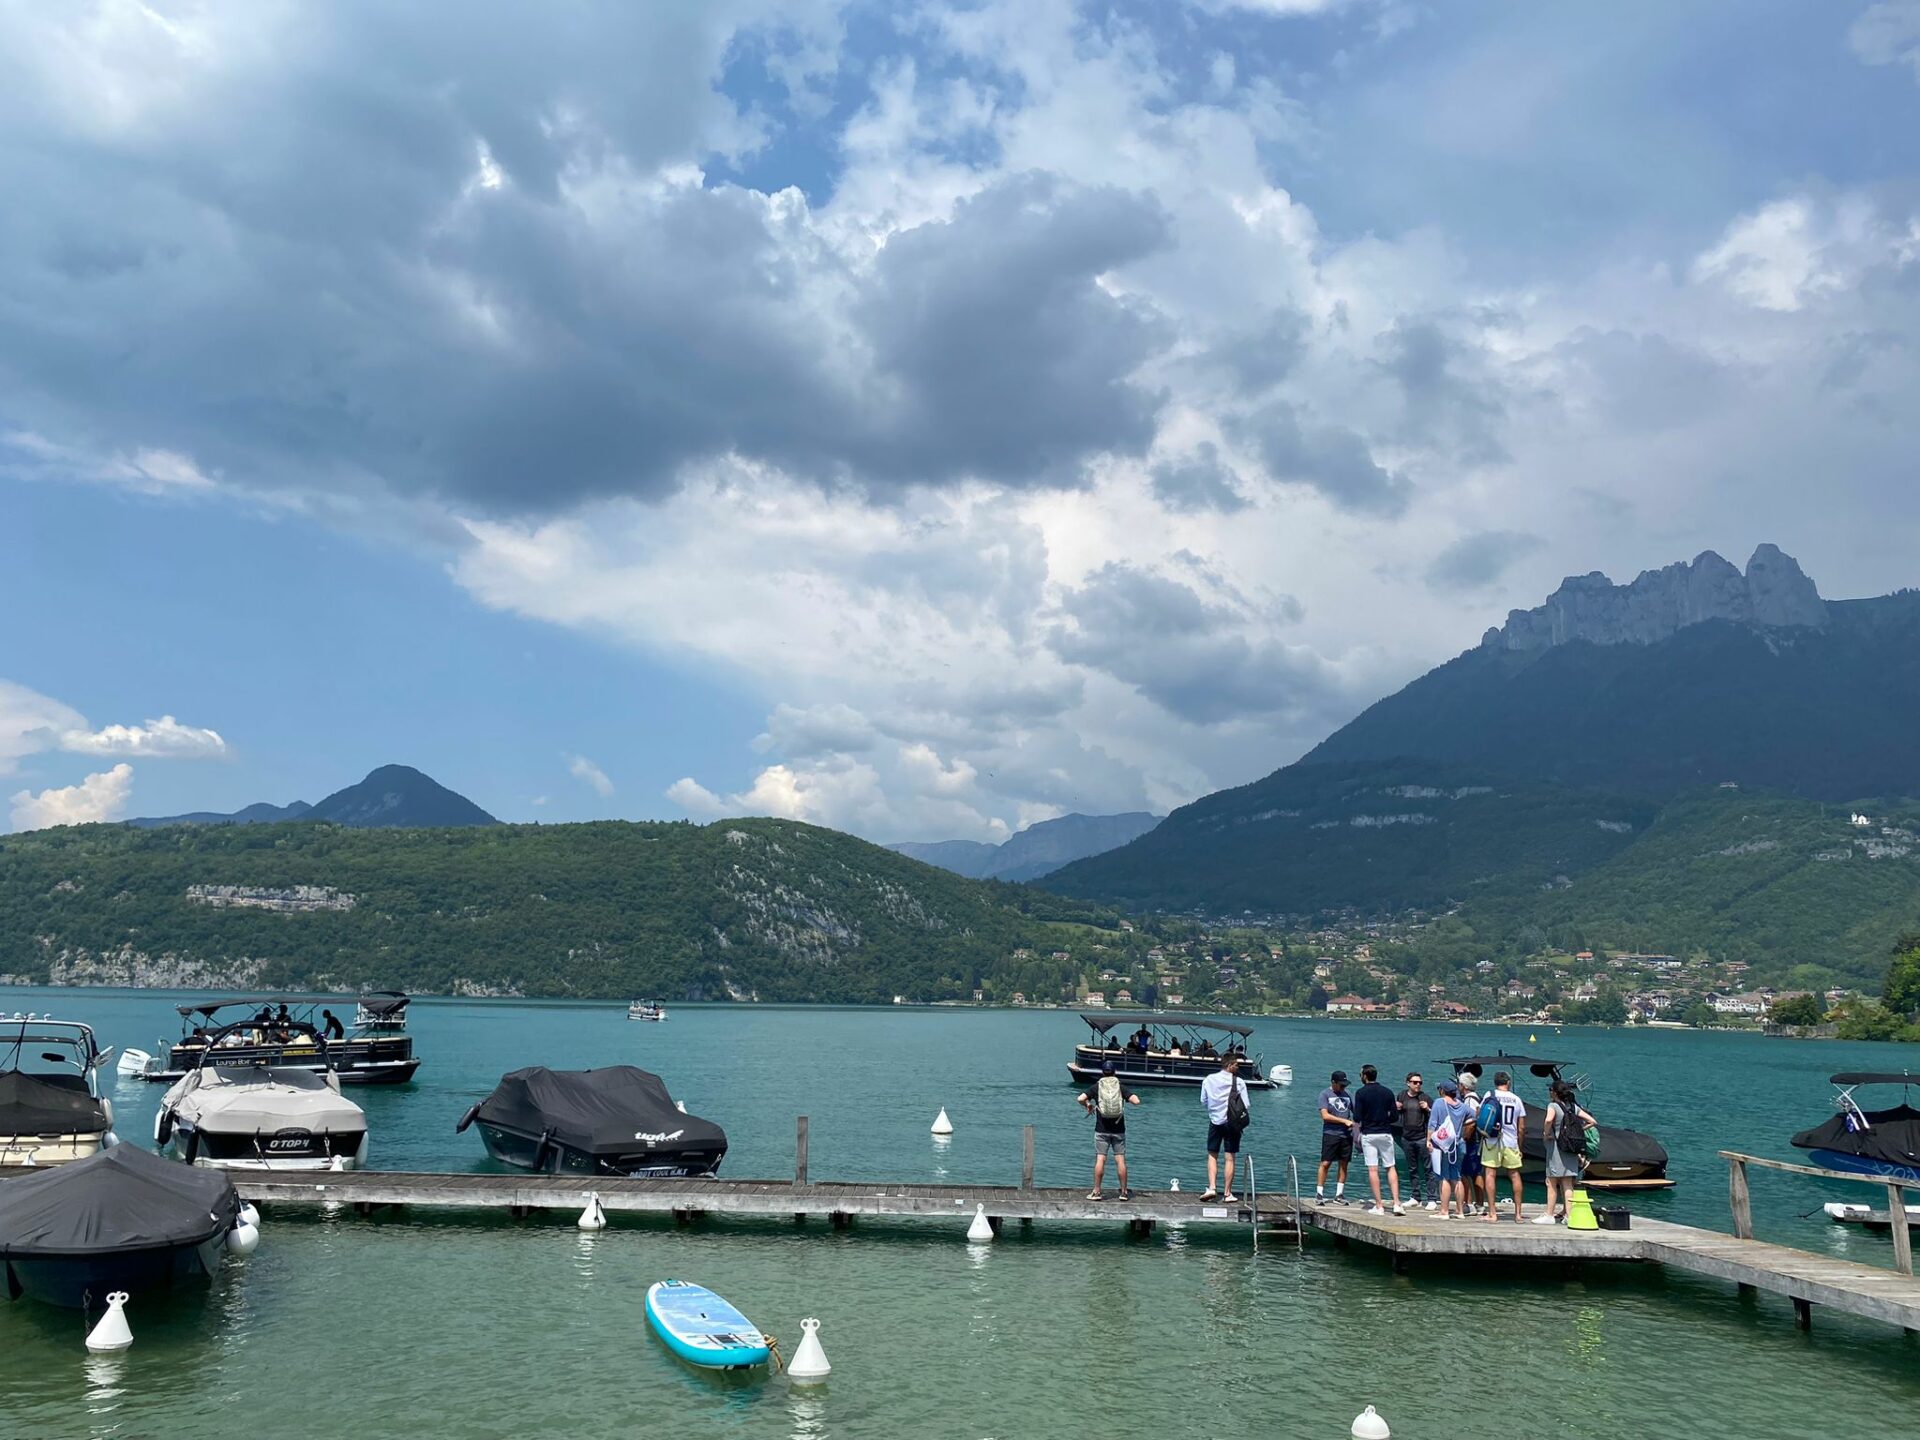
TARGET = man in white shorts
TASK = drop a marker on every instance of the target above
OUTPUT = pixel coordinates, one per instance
(1374, 1109)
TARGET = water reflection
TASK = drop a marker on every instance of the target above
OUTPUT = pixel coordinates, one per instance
(807, 1407)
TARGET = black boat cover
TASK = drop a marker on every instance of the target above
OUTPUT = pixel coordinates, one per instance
(122, 1199)
(1889, 1135)
(383, 1002)
(1875, 1077)
(37, 1105)
(1630, 1147)
(1486, 1065)
(618, 1110)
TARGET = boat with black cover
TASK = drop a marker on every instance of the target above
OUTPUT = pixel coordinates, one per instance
(261, 1117)
(122, 1219)
(1164, 1049)
(1881, 1143)
(280, 1031)
(51, 1108)
(617, 1120)
(1628, 1159)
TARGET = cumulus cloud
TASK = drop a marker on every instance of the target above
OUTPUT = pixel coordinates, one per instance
(1888, 33)
(165, 737)
(98, 797)
(1197, 482)
(583, 769)
(1478, 561)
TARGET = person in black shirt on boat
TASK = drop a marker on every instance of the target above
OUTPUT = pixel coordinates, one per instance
(332, 1028)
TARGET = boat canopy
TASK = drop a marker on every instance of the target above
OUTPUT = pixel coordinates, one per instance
(1545, 1069)
(1873, 1077)
(1104, 1023)
(44, 1105)
(209, 1007)
(118, 1200)
(616, 1110)
(383, 1002)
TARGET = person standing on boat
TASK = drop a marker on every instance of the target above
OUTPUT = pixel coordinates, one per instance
(1336, 1137)
(1374, 1108)
(1415, 1110)
(1107, 1102)
(1224, 1094)
(332, 1029)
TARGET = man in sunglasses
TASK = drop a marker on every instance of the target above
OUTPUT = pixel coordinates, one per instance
(1415, 1110)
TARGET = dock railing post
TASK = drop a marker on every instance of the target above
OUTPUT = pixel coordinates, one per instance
(800, 1153)
(1026, 1158)
(1902, 1241)
(1737, 1194)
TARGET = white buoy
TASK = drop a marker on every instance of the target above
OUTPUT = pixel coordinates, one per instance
(243, 1239)
(249, 1215)
(113, 1332)
(980, 1232)
(339, 1162)
(1368, 1425)
(941, 1124)
(809, 1363)
(1175, 1187)
(593, 1217)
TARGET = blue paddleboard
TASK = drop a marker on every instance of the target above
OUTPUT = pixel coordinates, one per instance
(700, 1327)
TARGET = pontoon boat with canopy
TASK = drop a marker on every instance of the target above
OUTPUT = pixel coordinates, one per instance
(618, 1120)
(1164, 1050)
(1868, 1142)
(51, 1108)
(382, 1055)
(381, 1010)
(1628, 1159)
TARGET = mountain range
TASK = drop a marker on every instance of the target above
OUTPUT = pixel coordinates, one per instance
(1699, 738)
(1040, 849)
(391, 797)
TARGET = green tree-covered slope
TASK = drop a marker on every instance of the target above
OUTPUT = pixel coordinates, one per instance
(766, 908)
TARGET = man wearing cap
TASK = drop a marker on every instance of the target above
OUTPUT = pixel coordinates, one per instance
(1336, 1137)
(1107, 1102)
(1217, 1093)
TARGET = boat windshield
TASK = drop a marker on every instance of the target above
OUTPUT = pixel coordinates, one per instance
(48, 1048)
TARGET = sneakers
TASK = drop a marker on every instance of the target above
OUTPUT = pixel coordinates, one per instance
(1124, 1195)
(1096, 1195)
(1229, 1198)
(1319, 1197)
(1209, 1194)
(1543, 1220)
(1398, 1211)
(1375, 1209)
(1433, 1205)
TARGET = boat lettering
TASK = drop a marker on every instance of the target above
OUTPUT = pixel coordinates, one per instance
(657, 1139)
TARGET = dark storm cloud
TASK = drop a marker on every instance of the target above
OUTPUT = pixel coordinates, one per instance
(1196, 658)
(1198, 482)
(1328, 458)
(379, 251)
(1448, 401)
(1473, 562)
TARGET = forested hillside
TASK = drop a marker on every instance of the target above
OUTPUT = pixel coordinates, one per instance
(749, 908)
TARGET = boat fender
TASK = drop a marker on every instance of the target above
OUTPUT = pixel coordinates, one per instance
(162, 1129)
(113, 1332)
(467, 1119)
(980, 1232)
(1368, 1425)
(243, 1239)
(540, 1151)
(249, 1215)
(592, 1217)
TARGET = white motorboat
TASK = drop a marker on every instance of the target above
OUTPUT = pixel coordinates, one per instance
(646, 1010)
(51, 1108)
(261, 1117)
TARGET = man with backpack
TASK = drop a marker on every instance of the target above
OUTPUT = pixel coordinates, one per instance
(1107, 1102)
(1502, 1122)
(1224, 1094)
(1566, 1137)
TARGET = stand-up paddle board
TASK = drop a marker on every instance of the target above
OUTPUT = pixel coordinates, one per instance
(703, 1329)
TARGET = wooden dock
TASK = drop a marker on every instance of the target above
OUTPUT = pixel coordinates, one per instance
(687, 1200)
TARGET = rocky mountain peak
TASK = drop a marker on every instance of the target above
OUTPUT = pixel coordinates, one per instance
(1774, 593)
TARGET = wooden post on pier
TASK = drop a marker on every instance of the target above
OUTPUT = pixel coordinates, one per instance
(1026, 1158)
(1742, 1201)
(800, 1153)
(1902, 1241)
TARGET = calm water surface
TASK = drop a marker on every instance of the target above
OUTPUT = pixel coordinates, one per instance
(484, 1327)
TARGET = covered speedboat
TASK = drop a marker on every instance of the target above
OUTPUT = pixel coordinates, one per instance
(1881, 1143)
(1628, 1159)
(614, 1121)
(261, 1117)
(51, 1108)
(122, 1219)
(1166, 1050)
(280, 1029)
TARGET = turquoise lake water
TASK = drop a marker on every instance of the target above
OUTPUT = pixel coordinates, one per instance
(476, 1325)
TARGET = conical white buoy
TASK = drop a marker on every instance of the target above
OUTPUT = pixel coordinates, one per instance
(941, 1124)
(1368, 1425)
(593, 1217)
(1175, 1187)
(249, 1215)
(243, 1239)
(113, 1332)
(980, 1231)
(809, 1362)
(339, 1162)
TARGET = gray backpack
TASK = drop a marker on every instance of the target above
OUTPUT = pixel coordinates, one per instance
(1109, 1099)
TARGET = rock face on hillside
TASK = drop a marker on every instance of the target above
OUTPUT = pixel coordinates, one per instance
(1774, 593)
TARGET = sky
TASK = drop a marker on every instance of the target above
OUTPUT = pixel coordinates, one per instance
(917, 419)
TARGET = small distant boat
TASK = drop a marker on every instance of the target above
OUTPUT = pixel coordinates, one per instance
(51, 1108)
(646, 1010)
(122, 1219)
(1167, 1050)
(1882, 1143)
(617, 1120)
(702, 1328)
(261, 1117)
(381, 1011)
(1846, 1213)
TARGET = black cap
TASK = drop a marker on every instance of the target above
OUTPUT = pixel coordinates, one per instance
(1109, 1069)
(1339, 1077)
